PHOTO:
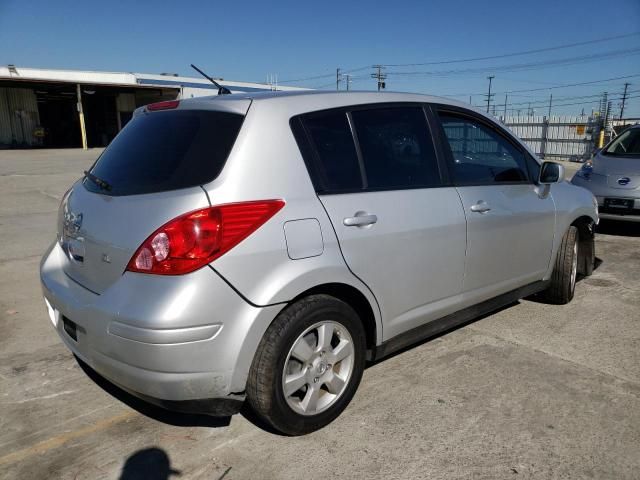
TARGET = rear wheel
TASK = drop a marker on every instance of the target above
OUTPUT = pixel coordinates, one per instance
(308, 365)
(565, 271)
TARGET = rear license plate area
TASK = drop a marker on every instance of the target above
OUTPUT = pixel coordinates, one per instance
(619, 203)
(70, 327)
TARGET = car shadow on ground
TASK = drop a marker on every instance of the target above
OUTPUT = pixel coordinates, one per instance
(619, 229)
(147, 409)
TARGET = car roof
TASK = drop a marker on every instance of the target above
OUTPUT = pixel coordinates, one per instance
(312, 98)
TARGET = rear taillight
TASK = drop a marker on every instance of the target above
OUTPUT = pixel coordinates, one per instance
(195, 239)
(167, 105)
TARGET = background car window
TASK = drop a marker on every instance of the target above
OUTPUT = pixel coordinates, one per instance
(628, 143)
(338, 168)
(481, 155)
(396, 147)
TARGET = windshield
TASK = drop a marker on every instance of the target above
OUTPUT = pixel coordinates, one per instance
(160, 151)
(627, 144)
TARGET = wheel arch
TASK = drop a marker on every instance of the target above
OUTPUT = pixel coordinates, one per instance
(586, 234)
(356, 300)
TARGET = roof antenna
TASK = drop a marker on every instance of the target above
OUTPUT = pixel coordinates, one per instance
(221, 90)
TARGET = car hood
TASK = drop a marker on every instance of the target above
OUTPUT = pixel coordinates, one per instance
(610, 165)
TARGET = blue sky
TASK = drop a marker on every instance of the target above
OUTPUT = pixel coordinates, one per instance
(250, 40)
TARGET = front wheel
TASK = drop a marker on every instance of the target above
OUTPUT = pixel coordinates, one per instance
(308, 365)
(565, 271)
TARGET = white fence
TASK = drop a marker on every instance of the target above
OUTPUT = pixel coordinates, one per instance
(557, 137)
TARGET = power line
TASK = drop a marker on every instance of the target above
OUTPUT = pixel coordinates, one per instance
(563, 104)
(515, 54)
(317, 77)
(550, 88)
(533, 102)
(526, 66)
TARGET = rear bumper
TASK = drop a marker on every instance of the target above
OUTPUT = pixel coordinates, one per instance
(166, 339)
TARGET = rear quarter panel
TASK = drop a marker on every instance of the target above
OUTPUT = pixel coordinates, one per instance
(266, 163)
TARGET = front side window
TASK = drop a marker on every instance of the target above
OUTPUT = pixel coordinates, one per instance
(396, 147)
(627, 144)
(480, 154)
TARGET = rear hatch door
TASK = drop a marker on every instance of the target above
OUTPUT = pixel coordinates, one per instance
(150, 174)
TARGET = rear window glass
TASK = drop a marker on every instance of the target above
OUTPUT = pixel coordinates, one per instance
(160, 151)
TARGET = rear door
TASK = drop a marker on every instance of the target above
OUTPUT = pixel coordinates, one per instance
(401, 228)
(510, 219)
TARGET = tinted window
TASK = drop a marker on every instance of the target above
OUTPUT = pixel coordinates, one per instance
(338, 166)
(534, 167)
(627, 143)
(396, 147)
(480, 154)
(159, 151)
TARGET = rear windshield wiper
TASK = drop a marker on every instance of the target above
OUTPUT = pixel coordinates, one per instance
(102, 184)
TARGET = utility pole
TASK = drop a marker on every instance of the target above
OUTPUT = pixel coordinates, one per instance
(348, 80)
(380, 77)
(624, 99)
(490, 77)
(550, 100)
(470, 103)
(505, 106)
(337, 79)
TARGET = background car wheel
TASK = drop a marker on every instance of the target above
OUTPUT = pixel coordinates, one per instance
(565, 271)
(308, 365)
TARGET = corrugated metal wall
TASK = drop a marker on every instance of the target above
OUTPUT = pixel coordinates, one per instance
(18, 116)
(559, 137)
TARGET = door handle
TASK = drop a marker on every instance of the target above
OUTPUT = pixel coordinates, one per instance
(360, 219)
(480, 207)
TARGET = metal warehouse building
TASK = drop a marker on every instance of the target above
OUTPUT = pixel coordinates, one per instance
(71, 108)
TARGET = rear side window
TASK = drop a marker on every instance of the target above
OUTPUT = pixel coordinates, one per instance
(338, 166)
(480, 154)
(160, 151)
(397, 150)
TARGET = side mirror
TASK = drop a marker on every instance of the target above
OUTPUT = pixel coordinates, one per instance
(551, 172)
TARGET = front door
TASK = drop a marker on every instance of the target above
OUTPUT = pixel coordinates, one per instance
(510, 219)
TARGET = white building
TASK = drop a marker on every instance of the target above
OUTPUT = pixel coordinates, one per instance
(73, 108)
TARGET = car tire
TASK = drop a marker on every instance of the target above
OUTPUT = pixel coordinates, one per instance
(587, 252)
(563, 279)
(317, 344)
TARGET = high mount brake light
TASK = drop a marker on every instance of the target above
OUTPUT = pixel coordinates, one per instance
(167, 105)
(193, 240)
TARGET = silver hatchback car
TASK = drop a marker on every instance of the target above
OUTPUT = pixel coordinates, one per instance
(266, 247)
(613, 176)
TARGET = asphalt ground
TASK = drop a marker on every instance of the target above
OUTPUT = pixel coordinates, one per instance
(531, 391)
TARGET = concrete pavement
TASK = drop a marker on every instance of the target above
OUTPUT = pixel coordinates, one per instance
(532, 391)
